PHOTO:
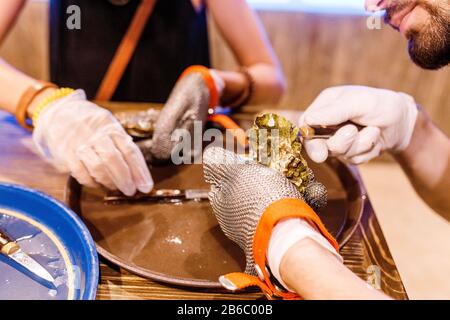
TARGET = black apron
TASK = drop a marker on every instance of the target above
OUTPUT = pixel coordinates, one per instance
(175, 38)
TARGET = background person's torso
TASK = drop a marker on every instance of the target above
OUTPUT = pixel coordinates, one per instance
(175, 37)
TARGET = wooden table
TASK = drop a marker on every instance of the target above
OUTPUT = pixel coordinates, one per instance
(366, 254)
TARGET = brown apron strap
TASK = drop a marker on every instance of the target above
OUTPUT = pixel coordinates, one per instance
(125, 51)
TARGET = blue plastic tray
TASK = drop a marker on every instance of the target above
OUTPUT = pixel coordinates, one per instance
(66, 226)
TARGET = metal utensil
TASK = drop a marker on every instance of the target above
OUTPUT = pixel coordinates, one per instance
(162, 195)
(12, 250)
(323, 132)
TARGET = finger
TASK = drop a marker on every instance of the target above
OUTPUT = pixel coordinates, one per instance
(366, 157)
(301, 121)
(115, 165)
(135, 160)
(317, 150)
(217, 163)
(337, 105)
(80, 173)
(364, 142)
(327, 95)
(95, 167)
(326, 109)
(342, 140)
(329, 115)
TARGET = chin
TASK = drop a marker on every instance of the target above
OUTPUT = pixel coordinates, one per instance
(429, 48)
(430, 58)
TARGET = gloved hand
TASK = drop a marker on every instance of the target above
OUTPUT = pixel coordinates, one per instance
(197, 90)
(248, 200)
(389, 119)
(79, 137)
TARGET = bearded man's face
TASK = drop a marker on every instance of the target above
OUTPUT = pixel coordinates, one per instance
(426, 25)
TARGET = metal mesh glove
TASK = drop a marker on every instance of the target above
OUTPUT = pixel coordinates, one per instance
(316, 194)
(189, 101)
(240, 194)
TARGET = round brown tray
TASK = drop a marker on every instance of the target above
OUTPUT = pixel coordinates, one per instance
(182, 244)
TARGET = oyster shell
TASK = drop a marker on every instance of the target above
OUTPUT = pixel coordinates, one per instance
(274, 143)
(139, 124)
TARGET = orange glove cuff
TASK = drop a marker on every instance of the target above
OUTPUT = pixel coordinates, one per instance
(274, 213)
(209, 80)
(223, 120)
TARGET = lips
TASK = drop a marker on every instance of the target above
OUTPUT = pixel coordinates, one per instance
(396, 19)
(376, 5)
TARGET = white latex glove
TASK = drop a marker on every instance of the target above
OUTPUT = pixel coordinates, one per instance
(79, 137)
(389, 119)
(286, 234)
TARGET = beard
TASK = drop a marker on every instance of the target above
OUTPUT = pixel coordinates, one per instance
(428, 47)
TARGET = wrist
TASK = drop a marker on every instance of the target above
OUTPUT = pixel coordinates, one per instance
(38, 99)
(418, 137)
(49, 100)
(33, 90)
(300, 261)
(313, 271)
(406, 123)
(218, 81)
(286, 235)
(237, 87)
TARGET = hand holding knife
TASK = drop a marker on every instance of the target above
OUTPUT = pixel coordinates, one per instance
(323, 132)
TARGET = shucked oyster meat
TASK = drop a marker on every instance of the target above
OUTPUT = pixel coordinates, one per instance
(274, 143)
(139, 124)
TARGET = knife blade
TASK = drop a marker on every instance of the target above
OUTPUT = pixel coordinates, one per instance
(12, 250)
(161, 195)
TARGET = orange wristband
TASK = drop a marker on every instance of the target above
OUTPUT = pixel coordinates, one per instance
(26, 99)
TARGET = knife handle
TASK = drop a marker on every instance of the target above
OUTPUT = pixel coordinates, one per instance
(325, 131)
(7, 245)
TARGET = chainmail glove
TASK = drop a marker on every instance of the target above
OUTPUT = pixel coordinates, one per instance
(249, 199)
(197, 90)
(316, 194)
(241, 189)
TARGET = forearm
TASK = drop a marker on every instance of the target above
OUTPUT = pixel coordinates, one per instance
(252, 50)
(9, 11)
(13, 85)
(426, 161)
(269, 84)
(315, 274)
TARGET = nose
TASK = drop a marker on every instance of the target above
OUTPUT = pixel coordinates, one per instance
(376, 5)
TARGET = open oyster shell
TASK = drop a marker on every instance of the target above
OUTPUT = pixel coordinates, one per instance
(274, 142)
(139, 124)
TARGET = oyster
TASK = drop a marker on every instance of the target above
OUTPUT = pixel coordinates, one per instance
(274, 143)
(139, 124)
